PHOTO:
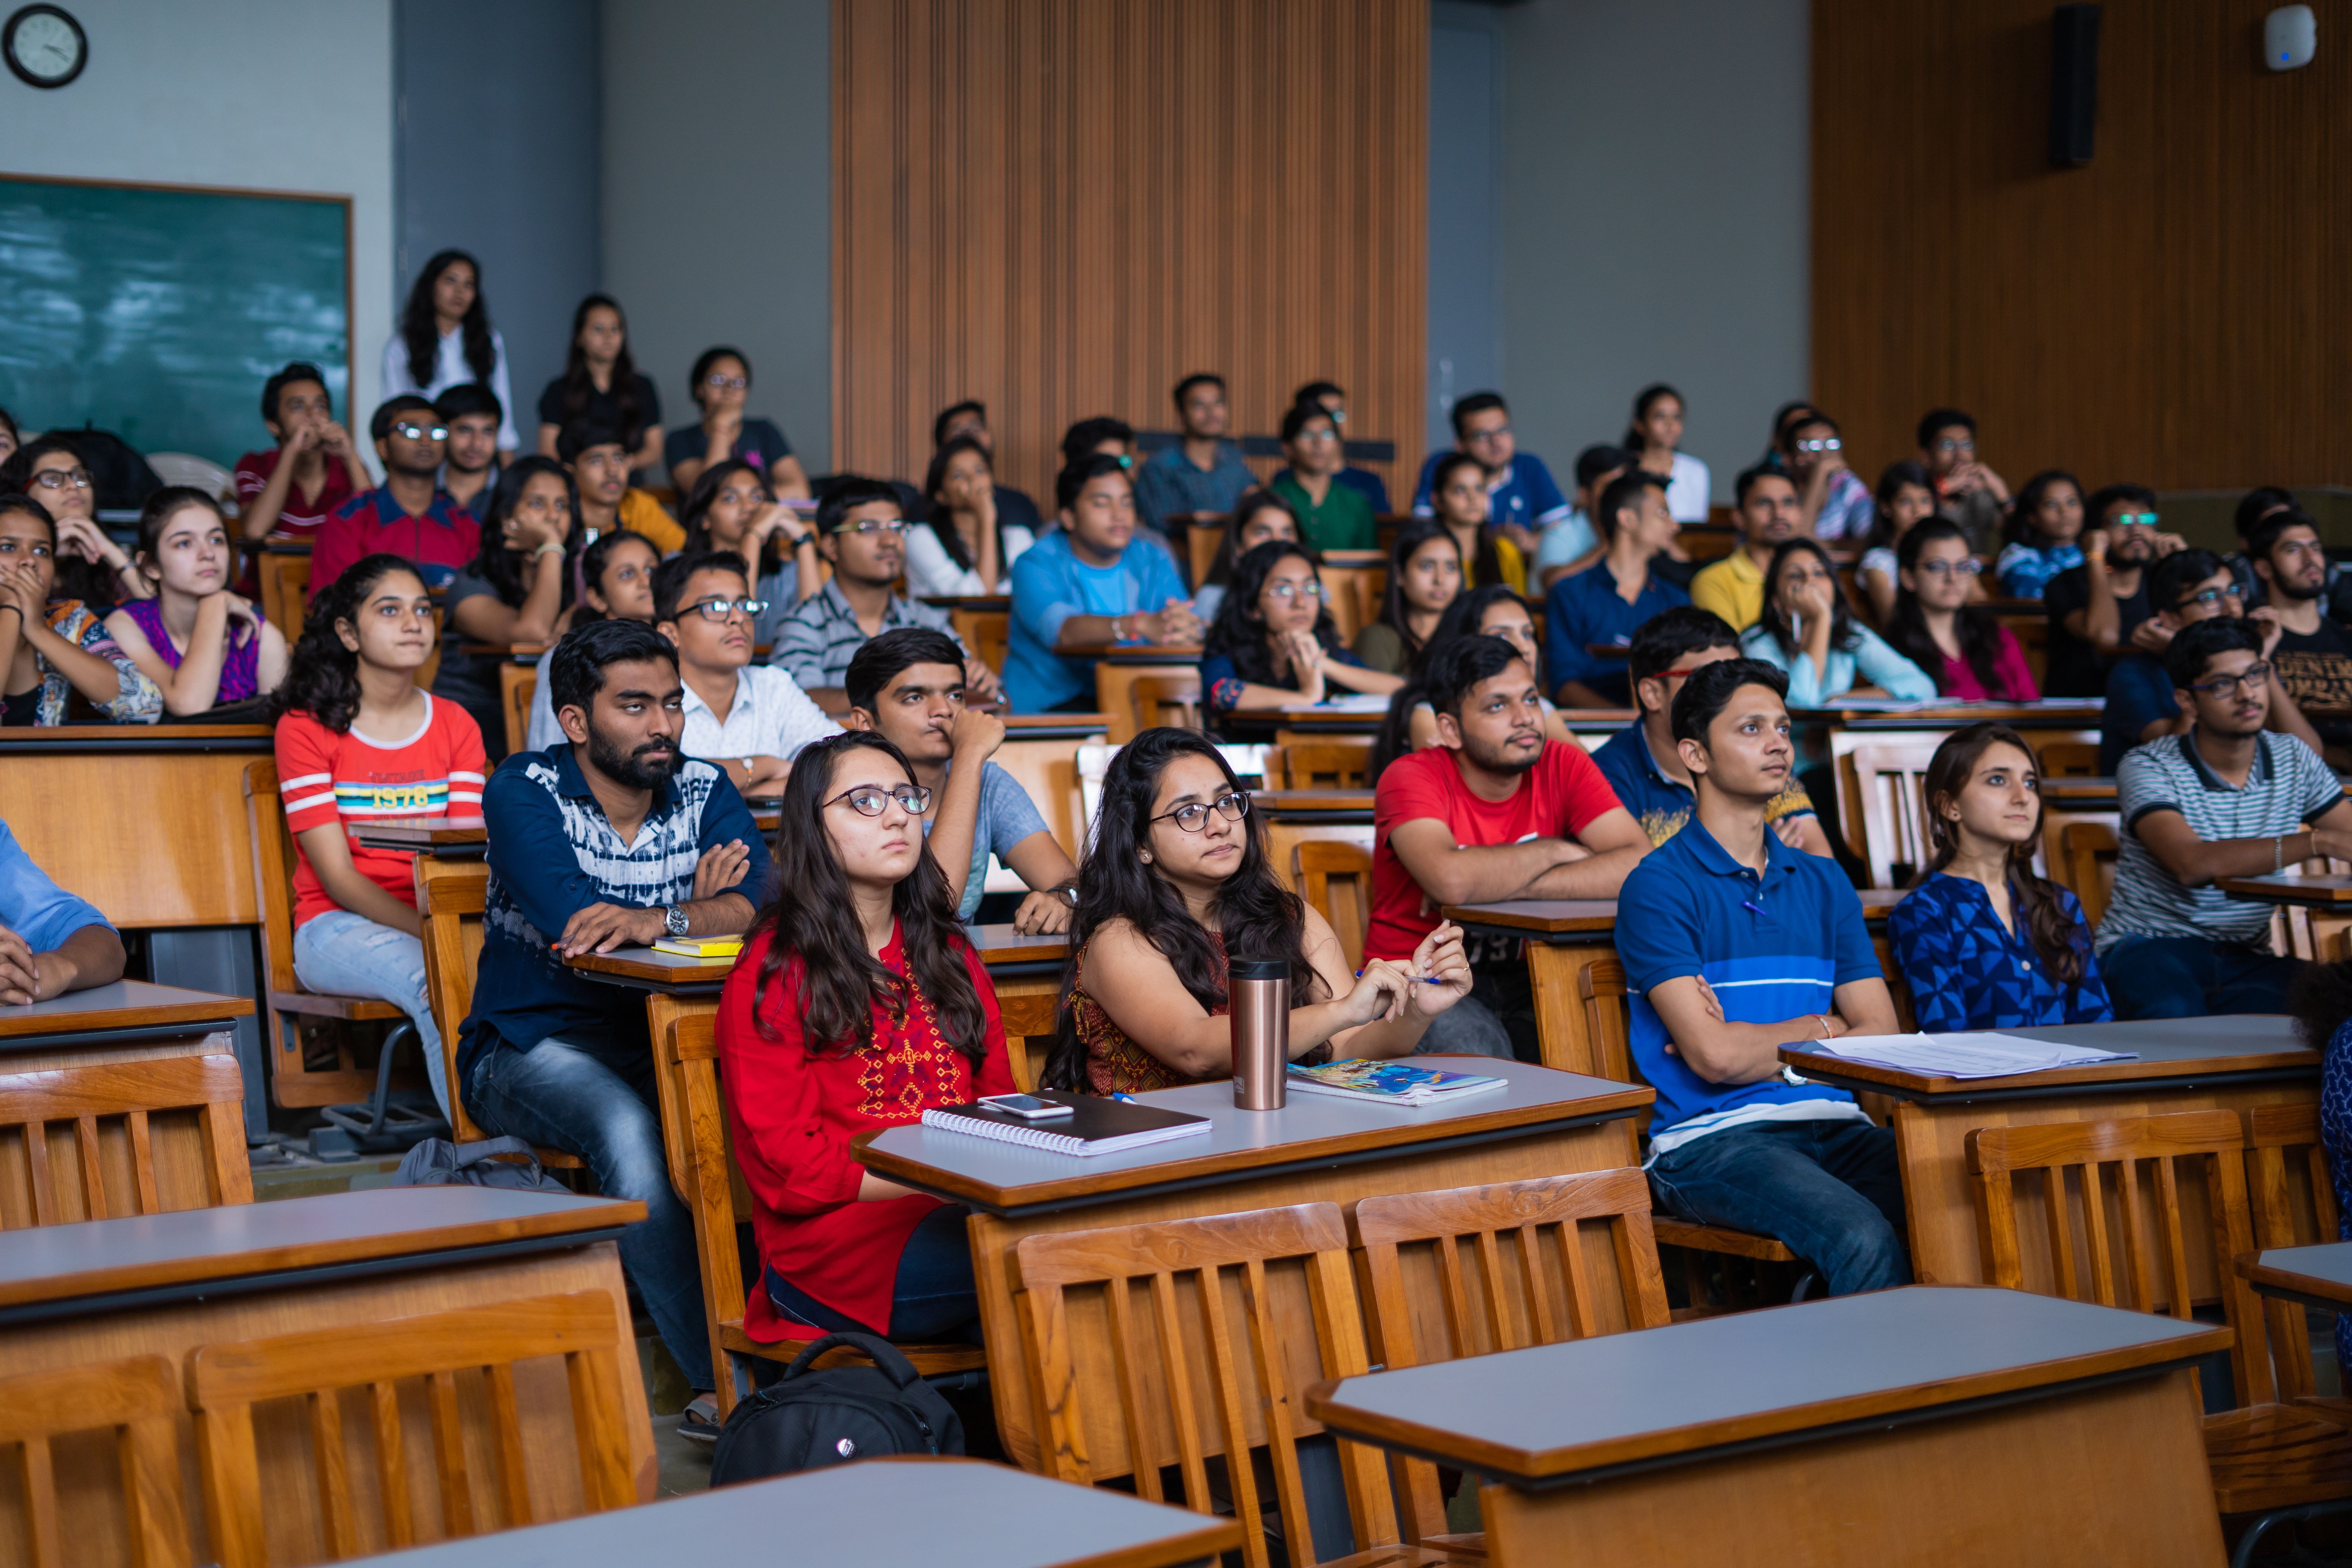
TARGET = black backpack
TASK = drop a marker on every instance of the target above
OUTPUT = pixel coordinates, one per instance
(806, 1420)
(490, 1163)
(119, 478)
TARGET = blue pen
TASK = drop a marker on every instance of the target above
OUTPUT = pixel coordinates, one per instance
(1752, 904)
(1424, 979)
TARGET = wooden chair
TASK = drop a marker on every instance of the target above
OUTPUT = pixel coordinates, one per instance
(1337, 764)
(2286, 1193)
(1166, 700)
(1337, 877)
(713, 1186)
(518, 685)
(1352, 592)
(1885, 808)
(1530, 1291)
(137, 1398)
(57, 1126)
(2088, 850)
(226, 1381)
(2264, 1455)
(1229, 1387)
(1201, 542)
(1027, 1020)
(285, 590)
(987, 632)
(2068, 759)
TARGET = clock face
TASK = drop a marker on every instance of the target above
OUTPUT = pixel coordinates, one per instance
(45, 46)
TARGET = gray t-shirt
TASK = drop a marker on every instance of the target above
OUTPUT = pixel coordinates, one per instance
(1007, 816)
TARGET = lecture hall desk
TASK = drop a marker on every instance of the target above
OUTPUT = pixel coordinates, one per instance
(1919, 1425)
(1315, 1148)
(2317, 1275)
(2326, 901)
(165, 1284)
(1118, 665)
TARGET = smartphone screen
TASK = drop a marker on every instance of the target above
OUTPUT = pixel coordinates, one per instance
(1027, 1105)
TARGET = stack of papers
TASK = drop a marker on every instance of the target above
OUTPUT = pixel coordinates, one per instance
(1355, 702)
(1974, 1055)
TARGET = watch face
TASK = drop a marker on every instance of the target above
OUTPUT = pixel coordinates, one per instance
(45, 46)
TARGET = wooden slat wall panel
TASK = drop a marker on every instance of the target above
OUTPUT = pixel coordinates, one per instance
(2173, 314)
(1063, 206)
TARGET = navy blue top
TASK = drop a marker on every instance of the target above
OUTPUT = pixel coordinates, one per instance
(2139, 693)
(1586, 608)
(1967, 971)
(1662, 804)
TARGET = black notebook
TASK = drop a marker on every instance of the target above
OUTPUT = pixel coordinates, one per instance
(1098, 1126)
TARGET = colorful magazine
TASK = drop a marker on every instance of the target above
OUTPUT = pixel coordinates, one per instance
(1390, 1083)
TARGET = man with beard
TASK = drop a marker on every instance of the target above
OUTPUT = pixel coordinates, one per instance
(2100, 607)
(2227, 799)
(1492, 811)
(611, 839)
(2313, 654)
(1767, 513)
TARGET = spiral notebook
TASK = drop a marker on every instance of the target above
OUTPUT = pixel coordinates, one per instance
(1098, 1126)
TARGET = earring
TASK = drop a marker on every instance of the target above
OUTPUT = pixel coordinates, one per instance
(1144, 855)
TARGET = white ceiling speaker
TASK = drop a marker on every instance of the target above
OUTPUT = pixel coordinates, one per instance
(2290, 36)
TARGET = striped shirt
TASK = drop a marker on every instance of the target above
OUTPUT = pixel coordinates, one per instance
(820, 635)
(324, 777)
(2288, 786)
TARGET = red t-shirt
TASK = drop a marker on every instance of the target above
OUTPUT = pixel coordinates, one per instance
(301, 515)
(1558, 798)
(324, 777)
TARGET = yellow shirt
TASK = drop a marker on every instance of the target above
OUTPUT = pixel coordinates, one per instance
(1507, 556)
(1733, 588)
(640, 513)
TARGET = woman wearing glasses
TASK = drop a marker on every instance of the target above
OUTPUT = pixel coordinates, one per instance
(1808, 631)
(1274, 646)
(1836, 505)
(2045, 534)
(731, 507)
(1176, 884)
(518, 589)
(857, 1004)
(1972, 656)
(90, 566)
(721, 384)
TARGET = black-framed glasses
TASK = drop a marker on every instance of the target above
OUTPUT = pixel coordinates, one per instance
(719, 609)
(2211, 596)
(1485, 438)
(1193, 817)
(2254, 676)
(870, 800)
(871, 525)
(421, 432)
(59, 479)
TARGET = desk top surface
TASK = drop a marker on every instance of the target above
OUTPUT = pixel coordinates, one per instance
(1133, 652)
(420, 832)
(1556, 1411)
(998, 945)
(125, 1004)
(881, 1513)
(2290, 887)
(1561, 916)
(2061, 712)
(79, 738)
(1311, 1127)
(2085, 789)
(95, 1257)
(2322, 1272)
(2166, 1048)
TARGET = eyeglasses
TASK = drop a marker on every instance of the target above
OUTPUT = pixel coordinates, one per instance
(869, 800)
(1488, 437)
(1832, 445)
(59, 479)
(1311, 433)
(2132, 520)
(1286, 592)
(727, 382)
(2255, 674)
(721, 609)
(421, 432)
(872, 525)
(2212, 596)
(1967, 567)
(1964, 444)
(1233, 806)
(546, 506)
(1339, 415)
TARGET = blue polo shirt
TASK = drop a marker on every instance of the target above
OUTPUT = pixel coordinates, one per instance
(1662, 804)
(1773, 947)
(1585, 609)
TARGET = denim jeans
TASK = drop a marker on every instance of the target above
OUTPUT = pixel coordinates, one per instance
(1496, 1019)
(1827, 1191)
(2194, 977)
(339, 953)
(562, 1097)
(932, 1297)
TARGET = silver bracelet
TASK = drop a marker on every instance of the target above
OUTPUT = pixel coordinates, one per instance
(2278, 854)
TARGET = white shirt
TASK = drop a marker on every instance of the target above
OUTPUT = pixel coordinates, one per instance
(932, 573)
(1687, 489)
(771, 717)
(450, 369)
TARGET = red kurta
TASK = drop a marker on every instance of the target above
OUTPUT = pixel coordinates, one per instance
(793, 1115)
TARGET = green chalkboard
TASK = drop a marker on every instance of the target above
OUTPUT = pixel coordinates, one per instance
(158, 311)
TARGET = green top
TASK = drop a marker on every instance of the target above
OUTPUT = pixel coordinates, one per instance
(1380, 648)
(1344, 520)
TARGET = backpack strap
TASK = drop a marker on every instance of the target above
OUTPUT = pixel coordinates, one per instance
(892, 1362)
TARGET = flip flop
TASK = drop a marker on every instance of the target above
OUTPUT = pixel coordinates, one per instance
(698, 1422)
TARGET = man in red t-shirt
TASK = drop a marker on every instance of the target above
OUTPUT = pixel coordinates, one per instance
(1492, 811)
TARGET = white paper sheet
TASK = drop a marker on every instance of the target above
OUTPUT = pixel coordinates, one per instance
(1966, 1055)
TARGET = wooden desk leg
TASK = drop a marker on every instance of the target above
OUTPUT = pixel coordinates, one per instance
(1552, 970)
(661, 1010)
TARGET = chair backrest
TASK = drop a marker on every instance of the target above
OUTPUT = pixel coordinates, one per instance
(273, 876)
(1529, 1290)
(84, 1137)
(2068, 759)
(988, 633)
(449, 898)
(711, 1183)
(2293, 1200)
(2105, 1245)
(2088, 850)
(1345, 592)
(284, 591)
(138, 1399)
(1201, 542)
(1337, 877)
(1028, 1018)
(1607, 1050)
(1886, 819)
(1340, 764)
(1220, 1378)
(226, 1381)
(1166, 700)
(518, 685)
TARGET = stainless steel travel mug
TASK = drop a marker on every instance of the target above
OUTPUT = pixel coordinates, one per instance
(1260, 1014)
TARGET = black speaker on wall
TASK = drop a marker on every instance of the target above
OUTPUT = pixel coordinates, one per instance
(2073, 85)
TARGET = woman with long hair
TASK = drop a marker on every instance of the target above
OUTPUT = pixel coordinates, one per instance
(1459, 498)
(356, 739)
(1257, 516)
(1905, 496)
(1808, 631)
(2045, 531)
(1983, 942)
(1274, 644)
(731, 507)
(721, 383)
(202, 645)
(857, 1004)
(1972, 656)
(90, 566)
(616, 581)
(1424, 577)
(1653, 439)
(517, 589)
(1175, 887)
(960, 546)
(51, 648)
(601, 383)
(445, 339)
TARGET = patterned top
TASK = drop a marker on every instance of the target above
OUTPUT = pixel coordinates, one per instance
(1116, 1065)
(240, 672)
(139, 701)
(1967, 971)
(2336, 1136)
(2025, 570)
(324, 777)
(820, 635)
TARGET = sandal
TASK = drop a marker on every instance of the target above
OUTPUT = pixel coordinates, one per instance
(698, 1422)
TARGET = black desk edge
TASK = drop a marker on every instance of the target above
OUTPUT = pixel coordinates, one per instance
(194, 1028)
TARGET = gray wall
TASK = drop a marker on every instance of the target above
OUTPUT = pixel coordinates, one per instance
(1465, 261)
(717, 168)
(1654, 219)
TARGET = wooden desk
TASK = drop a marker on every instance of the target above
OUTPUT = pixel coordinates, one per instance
(1316, 1148)
(908, 1512)
(126, 1012)
(167, 1283)
(2293, 890)
(1118, 665)
(2315, 1276)
(2186, 1064)
(2053, 713)
(1909, 1425)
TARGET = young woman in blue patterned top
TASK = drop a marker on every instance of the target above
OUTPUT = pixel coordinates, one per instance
(2322, 1006)
(1983, 942)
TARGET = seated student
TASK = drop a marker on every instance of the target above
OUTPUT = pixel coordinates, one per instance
(721, 383)
(2098, 608)
(1460, 499)
(2312, 653)
(445, 338)
(1714, 988)
(1967, 490)
(1177, 885)
(1259, 515)
(10, 436)
(1335, 516)
(90, 566)
(518, 590)
(1424, 576)
(601, 383)
(2044, 533)
(1088, 583)
(1642, 763)
(731, 508)
(613, 838)
(1905, 499)
(356, 739)
(1494, 810)
(1766, 515)
(907, 686)
(856, 976)
(617, 577)
(970, 417)
(1831, 501)
(409, 515)
(1969, 655)
(861, 532)
(1653, 441)
(50, 941)
(1495, 612)
(1572, 543)
(751, 720)
(1100, 434)
(1786, 418)
(1273, 645)
(294, 486)
(2227, 799)
(1332, 398)
(1807, 630)
(599, 459)
(1605, 605)
(1202, 472)
(202, 645)
(1522, 498)
(54, 648)
(1983, 942)
(964, 545)
(469, 458)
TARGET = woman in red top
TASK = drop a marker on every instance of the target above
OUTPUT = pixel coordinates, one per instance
(1972, 656)
(857, 1003)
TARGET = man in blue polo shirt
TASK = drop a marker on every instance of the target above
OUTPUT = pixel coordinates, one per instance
(1605, 605)
(612, 839)
(1523, 497)
(1093, 580)
(50, 941)
(1735, 944)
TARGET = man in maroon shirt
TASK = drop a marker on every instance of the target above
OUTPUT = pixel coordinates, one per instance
(410, 515)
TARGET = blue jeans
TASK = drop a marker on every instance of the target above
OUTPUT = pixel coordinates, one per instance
(932, 1298)
(339, 953)
(2194, 977)
(560, 1097)
(1830, 1192)
(1496, 1019)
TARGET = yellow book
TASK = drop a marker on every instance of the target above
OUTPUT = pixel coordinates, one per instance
(701, 946)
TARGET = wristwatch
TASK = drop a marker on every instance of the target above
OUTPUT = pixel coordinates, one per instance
(674, 918)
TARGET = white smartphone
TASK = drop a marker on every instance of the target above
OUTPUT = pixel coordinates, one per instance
(1027, 1106)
